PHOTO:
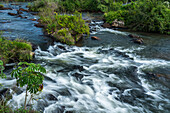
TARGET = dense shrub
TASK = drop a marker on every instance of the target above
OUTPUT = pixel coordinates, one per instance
(143, 15)
(17, 50)
(65, 28)
(80, 5)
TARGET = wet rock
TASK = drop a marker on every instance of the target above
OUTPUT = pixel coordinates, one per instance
(51, 97)
(12, 14)
(133, 36)
(61, 47)
(39, 25)
(95, 38)
(118, 53)
(41, 104)
(80, 68)
(64, 92)
(155, 75)
(15, 4)
(78, 76)
(33, 19)
(3, 91)
(119, 24)
(25, 17)
(21, 9)
(34, 13)
(106, 25)
(22, 16)
(34, 46)
(132, 97)
(19, 16)
(17, 90)
(138, 41)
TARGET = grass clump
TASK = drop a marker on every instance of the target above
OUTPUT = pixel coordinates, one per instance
(12, 51)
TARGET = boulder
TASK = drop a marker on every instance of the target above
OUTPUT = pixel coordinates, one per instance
(21, 9)
(39, 25)
(138, 40)
(95, 38)
(33, 19)
(19, 16)
(22, 16)
(12, 14)
(107, 25)
(119, 24)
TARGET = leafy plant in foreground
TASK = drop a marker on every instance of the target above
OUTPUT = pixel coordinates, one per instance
(2, 75)
(31, 76)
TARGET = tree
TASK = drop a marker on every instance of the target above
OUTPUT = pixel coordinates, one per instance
(31, 76)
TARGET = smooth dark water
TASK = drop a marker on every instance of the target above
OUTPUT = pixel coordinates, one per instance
(17, 27)
(110, 75)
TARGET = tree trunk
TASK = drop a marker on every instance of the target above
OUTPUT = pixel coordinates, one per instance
(25, 103)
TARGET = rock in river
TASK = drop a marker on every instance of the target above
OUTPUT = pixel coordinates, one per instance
(95, 38)
(138, 40)
(12, 14)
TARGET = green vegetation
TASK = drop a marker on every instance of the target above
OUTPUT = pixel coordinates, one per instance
(1, 6)
(31, 75)
(79, 5)
(64, 28)
(28, 74)
(138, 15)
(23, 0)
(2, 75)
(17, 50)
(143, 15)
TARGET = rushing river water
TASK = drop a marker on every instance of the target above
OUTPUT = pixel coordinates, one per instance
(110, 75)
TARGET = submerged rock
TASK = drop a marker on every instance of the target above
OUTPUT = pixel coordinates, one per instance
(133, 36)
(21, 9)
(51, 97)
(12, 14)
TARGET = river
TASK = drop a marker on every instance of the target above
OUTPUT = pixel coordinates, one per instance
(110, 75)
